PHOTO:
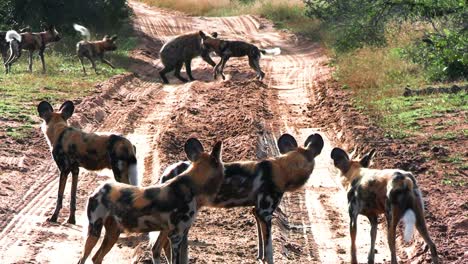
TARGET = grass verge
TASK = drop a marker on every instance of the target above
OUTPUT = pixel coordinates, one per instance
(21, 91)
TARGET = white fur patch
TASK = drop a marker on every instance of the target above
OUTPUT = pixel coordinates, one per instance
(133, 175)
(409, 219)
(11, 35)
(273, 52)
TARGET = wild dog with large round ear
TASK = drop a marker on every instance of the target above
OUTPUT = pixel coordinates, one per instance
(170, 208)
(72, 148)
(259, 184)
(373, 192)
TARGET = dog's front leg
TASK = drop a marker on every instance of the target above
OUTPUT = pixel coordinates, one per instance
(107, 62)
(63, 181)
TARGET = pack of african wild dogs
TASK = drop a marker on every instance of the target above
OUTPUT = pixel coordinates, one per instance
(171, 206)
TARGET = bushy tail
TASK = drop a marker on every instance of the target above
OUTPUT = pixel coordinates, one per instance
(12, 35)
(83, 31)
(273, 52)
(409, 220)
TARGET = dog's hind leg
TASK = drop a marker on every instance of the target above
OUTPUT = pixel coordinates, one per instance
(82, 64)
(111, 236)
(254, 63)
(374, 222)
(422, 229)
(94, 232)
(15, 54)
(188, 68)
(178, 67)
(62, 183)
(30, 60)
(41, 55)
(92, 64)
(71, 218)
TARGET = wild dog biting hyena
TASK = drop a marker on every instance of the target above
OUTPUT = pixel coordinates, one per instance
(372, 192)
(227, 49)
(72, 148)
(260, 184)
(170, 208)
(30, 41)
(93, 49)
(181, 50)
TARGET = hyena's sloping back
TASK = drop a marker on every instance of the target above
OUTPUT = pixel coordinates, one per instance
(180, 49)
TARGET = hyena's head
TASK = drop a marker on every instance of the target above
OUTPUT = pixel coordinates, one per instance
(207, 169)
(52, 35)
(350, 169)
(51, 118)
(296, 162)
(108, 43)
(210, 43)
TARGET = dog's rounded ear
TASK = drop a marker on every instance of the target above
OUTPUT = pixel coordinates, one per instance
(113, 38)
(367, 159)
(286, 143)
(67, 109)
(45, 110)
(314, 144)
(340, 159)
(202, 34)
(214, 34)
(193, 148)
(217, 150)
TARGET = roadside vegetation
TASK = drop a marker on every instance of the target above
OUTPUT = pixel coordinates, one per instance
(378, 48)
(21, 91)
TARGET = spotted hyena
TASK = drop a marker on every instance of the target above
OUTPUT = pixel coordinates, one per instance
(181, 50)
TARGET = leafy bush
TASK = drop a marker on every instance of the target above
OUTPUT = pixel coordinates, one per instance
(359, 23)
(97, 14)
(445, 57)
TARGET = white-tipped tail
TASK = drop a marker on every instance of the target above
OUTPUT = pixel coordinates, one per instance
(83, 31)
(409, 219)
(12, 35)
(153, 236)
(133, 175)
(273, 52)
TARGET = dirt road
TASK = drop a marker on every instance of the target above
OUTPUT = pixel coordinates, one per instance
(309, 227)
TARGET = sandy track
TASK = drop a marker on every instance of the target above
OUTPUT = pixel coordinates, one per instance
(310, 226)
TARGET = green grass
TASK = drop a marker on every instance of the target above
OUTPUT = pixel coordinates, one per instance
(400, 115)
(21, 91)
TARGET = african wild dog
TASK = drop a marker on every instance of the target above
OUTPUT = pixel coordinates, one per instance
(227, 49)
(170, 208)
(72, 148)
(373, 192)
(93, 49)
(261, 185)
(181, 50)
(30, 41)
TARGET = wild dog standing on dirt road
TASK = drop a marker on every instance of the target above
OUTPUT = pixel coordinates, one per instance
(227, 49)
(259, 184)
(72, 148)
(170, 208)
(30, 41)
(93, 49)
(181, 50)
(372, 192)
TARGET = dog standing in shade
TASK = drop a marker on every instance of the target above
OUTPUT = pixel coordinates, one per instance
(93, 50)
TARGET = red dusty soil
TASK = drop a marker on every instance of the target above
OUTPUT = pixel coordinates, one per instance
(296, 97)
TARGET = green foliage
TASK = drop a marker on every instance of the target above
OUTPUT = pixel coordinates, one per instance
(364, 22)
(98, 14)
(445, 57)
